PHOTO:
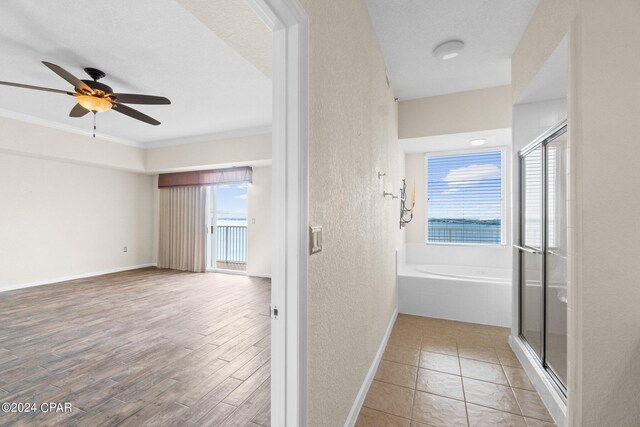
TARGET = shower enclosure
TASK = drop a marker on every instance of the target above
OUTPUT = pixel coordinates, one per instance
(543, 251)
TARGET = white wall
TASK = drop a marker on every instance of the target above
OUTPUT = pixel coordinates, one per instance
(59, 220)
(259, 218)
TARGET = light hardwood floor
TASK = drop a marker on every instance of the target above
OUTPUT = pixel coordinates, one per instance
(145, 347)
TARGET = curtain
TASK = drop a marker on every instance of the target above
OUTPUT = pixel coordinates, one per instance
(183, 227)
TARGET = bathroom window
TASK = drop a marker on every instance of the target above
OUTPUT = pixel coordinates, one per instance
(464, 198)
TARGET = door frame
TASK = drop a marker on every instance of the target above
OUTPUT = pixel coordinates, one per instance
(542, 141)
(289, 23)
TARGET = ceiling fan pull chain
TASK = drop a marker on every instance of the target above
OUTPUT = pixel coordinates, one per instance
(94, 124)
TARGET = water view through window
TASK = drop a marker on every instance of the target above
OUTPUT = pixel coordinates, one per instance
(231, 226)
(464, 198)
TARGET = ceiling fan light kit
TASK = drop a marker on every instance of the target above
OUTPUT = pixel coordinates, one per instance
(93, 96)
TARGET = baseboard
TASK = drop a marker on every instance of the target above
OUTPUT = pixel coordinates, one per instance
(75, 277)
(357, 405)
(540, 380)
(263, 275)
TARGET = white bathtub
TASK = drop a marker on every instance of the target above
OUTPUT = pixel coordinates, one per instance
(456, 292)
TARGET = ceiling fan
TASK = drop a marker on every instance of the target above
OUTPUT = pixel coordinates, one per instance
(93, 96)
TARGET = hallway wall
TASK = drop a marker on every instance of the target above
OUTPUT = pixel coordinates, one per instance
(352, 135)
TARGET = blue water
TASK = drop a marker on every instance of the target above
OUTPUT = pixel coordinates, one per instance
(464, 231)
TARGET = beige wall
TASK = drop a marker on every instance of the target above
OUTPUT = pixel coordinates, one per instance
(353, 133)
(415, 171)
(29, 139)
(475, 110)
(226, 152)
(549, 24)
(59, 220)
(259, 218)
(603, 105)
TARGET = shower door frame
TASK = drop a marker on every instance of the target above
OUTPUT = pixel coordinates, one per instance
(542, 141)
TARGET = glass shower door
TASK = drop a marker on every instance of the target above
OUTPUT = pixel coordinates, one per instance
(531, 250)
(543, 251)
(556, 258)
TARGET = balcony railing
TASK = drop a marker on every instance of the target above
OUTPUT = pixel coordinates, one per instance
(464, 233)
(231, 244)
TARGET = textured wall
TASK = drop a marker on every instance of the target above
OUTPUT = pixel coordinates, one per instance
(353, 133)
(455, 113)
(603, 106)
(60, 219)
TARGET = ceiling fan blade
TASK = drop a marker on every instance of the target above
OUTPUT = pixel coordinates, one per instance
(78, 84)
(78, 111)
(128, 111)
(132, 98)
(46, 89)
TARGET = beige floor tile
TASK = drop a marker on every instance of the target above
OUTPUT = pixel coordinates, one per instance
(491, 395)
(447, 385)
(517, 378)
(439, 362)
(406, 355)
(404, 338)
(483, 371)
(537, 423)
(531, 404)
(508, 358)
(389, 398)
(439, 345)
(438, 411)
(397, 373)
(480, 416)
(372, 418)
(483, 354)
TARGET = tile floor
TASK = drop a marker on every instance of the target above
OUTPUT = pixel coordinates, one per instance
(442, 373)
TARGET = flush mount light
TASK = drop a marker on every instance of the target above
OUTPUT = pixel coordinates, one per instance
(448, 50)
(478, 141)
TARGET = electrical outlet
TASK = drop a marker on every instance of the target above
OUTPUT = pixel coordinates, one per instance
(125, 249)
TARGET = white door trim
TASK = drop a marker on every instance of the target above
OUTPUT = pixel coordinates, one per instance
(289, 23)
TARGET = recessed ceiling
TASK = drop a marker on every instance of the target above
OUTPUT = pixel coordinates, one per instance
(144, 46)
(409, 30)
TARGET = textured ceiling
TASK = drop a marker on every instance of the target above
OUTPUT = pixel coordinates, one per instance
(144, 46)
(409, 30)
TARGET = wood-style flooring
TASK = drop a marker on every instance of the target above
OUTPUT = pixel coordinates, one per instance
(145, 347)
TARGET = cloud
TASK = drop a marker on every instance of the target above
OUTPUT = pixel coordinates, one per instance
(242, 197)
(472, 174)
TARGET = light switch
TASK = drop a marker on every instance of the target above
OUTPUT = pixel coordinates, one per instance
(316, 239)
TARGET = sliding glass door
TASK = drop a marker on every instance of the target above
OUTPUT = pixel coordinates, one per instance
(543, 251)
(228, 243)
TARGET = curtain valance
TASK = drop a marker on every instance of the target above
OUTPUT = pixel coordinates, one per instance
(204, 178)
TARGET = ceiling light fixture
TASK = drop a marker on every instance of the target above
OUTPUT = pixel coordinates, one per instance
(94, 103)
(478, 141)
(448, 50)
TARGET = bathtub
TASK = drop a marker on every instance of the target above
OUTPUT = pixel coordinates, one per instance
(456, 292)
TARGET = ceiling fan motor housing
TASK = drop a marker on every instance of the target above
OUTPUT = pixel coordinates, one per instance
(94, 73)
